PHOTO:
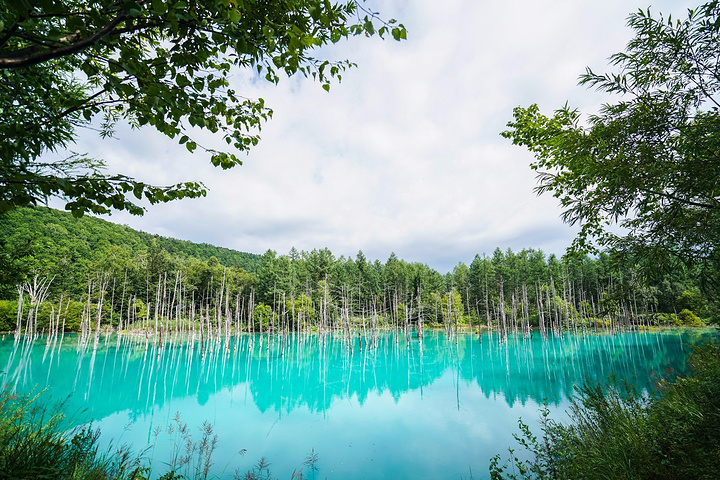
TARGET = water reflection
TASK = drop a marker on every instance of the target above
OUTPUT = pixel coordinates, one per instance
(284, 373)
(357, 405)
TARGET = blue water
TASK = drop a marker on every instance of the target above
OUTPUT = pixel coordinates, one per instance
(437, 409)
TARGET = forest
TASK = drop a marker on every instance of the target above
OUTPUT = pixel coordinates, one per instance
(637, 176)
(82, 275)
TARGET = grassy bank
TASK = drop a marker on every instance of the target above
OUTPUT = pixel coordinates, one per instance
(616, 432)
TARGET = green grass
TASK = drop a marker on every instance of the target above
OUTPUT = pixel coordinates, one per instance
(35, 443)
(616, 432)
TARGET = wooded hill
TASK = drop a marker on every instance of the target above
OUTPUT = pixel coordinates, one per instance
(53, 242)
(115, 275)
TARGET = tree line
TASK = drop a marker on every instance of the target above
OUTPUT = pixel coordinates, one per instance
(87, 275)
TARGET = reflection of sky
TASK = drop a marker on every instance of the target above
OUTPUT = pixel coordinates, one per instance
(413, 437)
(388, 412)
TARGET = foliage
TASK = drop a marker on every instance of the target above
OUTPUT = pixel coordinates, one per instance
(13, 265)
(311, 288)
(35, 443)
(618, 432)
(51, 242)
(188, 458)
(263, 316)
(8, 312)
(302, 308)
(687, 317)
(163, 64)
(648, 162)
(311, 462)
(684, 318)
(260, 471)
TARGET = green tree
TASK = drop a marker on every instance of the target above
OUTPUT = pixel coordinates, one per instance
(649, 162)
(268, 277)
(303, 309)
(164, 64)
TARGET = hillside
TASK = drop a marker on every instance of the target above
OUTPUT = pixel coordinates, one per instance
(60, 244)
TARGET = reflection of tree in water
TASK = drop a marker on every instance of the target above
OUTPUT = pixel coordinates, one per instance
(527, 369)
(133, 374)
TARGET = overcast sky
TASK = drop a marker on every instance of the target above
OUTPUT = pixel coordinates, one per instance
(405, 155)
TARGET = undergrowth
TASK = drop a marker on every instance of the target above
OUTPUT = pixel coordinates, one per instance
(616, 432)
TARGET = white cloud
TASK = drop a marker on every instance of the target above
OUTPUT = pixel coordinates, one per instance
(405, 154)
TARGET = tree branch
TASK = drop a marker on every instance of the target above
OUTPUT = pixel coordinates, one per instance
(85, 104)
(681, 200)
(30, 60)
(11, 31)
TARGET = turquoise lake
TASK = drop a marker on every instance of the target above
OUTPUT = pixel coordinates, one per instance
(432, 410)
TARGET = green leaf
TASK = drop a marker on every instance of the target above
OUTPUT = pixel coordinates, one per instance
(75, 23)
(234, 15)
(159, 7)
(182, 81)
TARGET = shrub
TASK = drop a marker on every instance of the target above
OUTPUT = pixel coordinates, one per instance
(688, 318)
(618, 432)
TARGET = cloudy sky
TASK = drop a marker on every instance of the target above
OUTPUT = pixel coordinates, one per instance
(405, 154)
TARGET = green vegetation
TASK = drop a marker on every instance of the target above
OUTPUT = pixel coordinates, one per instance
(52, 242)
(128, 279)
(648, 162)
(161, 64)
(618, 432)
(35, 443)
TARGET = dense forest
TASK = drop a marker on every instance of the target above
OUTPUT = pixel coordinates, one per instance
(51, 242)
(68, 274)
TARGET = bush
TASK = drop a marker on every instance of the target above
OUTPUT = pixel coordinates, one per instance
(8, 315)
(688, 318)
(617, 432)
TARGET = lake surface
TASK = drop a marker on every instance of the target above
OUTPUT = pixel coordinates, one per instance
(432, 410)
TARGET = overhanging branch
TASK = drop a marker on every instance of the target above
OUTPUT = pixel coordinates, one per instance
(39, 57)
(685, 201)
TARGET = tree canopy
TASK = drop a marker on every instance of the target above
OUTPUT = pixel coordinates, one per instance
(164, 64)
(524, 287)
(650, 162)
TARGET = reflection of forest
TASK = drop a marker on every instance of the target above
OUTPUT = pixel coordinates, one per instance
(130, 374)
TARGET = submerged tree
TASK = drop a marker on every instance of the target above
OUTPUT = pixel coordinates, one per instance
(650, 162)
(165, 64)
